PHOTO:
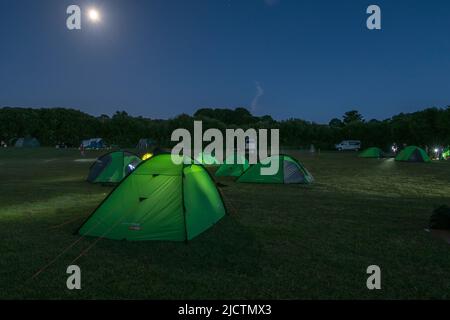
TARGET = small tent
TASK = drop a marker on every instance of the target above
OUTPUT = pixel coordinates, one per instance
(160, 200)
(371, 153)
(289, 171)
(28, 142)
(234, 166)
(113, 167)
(206, 159)
(413, 154)
(145, 144)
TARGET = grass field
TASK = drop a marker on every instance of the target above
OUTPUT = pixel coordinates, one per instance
(279, 241)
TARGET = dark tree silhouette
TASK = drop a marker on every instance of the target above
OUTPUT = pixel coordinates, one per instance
(352, 116)
(57, 125)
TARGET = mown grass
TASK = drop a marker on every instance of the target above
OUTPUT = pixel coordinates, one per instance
(279, 241)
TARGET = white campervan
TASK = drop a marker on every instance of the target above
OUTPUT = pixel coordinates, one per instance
(354, 145)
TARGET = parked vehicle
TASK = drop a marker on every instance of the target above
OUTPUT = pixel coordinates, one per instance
(353, 145)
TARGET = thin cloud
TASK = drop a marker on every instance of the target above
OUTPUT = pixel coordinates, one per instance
(259, 94)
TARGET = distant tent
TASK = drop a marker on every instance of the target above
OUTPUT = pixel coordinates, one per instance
(413, 154)
(158, 150)
(160, 200)
(145, 144)
(28, 142)
(95, 143)
(446, 154)
(289, 171)
(206, 159)
(232, 167)
(113, 167)
(371, 153)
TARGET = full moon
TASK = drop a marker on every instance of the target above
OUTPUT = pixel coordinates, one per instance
(94, 15)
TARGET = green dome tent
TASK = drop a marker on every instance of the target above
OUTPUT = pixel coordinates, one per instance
(28, 142)
(289, 171)
(206, 159)
(413, 154)
(113, 167)
(234, 166)
(371, 153)
(160, 200)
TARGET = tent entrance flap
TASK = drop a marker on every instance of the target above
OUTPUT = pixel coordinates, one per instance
(289, 171)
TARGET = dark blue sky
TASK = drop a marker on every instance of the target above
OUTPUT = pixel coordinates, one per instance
(158, 58)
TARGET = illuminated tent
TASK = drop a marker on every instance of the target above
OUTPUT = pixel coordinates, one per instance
(446, 154)
(28, 142)
(234, 166)
(160, 200)
(413, 154)
(206, 159)
(113, 167)
(289, 171)
(371, 153)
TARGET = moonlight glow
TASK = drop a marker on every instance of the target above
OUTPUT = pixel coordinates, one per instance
(94, 15)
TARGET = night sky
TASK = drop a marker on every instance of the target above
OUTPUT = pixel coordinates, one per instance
(288, 58)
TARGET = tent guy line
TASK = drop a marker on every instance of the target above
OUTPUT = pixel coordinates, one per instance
(45, 267)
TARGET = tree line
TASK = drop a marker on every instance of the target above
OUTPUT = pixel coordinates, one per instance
(52, 126)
